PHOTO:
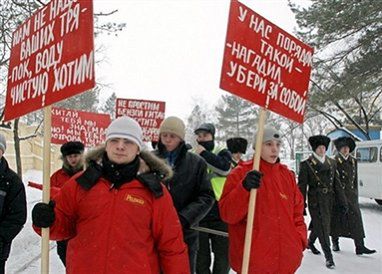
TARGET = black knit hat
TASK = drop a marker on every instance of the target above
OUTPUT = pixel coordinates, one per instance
(72, 148)
(319, 140)
(344, 141)
(237, 144)
(208, 127)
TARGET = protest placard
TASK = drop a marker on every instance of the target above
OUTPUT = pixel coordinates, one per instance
(52, 57)
(149, 115)
(73, 125)
(264, 64)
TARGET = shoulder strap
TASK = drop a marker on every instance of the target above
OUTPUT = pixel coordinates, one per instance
(315, 175)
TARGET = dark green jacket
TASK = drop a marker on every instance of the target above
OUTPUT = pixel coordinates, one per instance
(319, 184)
(349, 224)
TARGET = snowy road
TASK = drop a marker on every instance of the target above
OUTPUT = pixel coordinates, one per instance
(25, 258)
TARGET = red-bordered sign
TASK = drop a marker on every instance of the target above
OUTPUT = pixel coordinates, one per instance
(264, 64)
(52, 57)
(73, 125)
(149, 114)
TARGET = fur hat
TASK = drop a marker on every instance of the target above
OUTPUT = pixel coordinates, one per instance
(127, 128)
(208, 127)
(344, 141)
(173, 125)
(318, 140)
(237, 144)
(270, 133)
(3, 143)
(72, 148)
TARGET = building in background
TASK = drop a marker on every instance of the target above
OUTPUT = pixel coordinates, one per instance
(31, 149)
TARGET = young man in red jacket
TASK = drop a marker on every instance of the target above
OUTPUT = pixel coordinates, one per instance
(279, 234)
(118, 216)
(73, 162)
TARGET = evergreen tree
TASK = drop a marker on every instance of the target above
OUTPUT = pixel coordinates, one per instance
(347, 37)
(86, 101)
(236, 118)
(109, 106)
(196, 117)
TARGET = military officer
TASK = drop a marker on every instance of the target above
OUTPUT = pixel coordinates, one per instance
(317, 180)
(348, 224)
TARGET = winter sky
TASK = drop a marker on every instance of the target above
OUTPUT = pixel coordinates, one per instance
(172, 50)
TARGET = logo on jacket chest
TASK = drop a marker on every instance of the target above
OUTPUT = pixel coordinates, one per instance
(135, 200)
(283, 196)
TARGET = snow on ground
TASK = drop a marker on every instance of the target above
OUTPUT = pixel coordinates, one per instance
(26, 248)
(346, 260)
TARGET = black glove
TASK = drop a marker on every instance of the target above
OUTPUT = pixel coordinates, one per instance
(43, 214)
(252, 180)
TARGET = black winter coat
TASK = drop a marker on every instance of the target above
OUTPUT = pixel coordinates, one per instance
(319, 181)
(13, 207)
(350, 224)
(190, 190)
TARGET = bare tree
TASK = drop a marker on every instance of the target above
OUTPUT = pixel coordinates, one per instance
(12, 14)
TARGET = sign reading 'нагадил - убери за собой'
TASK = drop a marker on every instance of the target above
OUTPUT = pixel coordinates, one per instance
(264, 64)
(52, 57)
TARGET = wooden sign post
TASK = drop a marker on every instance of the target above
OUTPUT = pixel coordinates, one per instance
(52, 58)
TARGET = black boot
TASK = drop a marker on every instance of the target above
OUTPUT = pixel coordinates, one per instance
(312, 248)
(329, 260)
(360, 248)
(330, 264)
(336, 244)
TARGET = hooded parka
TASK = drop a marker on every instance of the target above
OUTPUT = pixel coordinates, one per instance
(129, 229)
(279, 232)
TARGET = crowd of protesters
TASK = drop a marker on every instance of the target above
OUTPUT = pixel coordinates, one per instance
(120, 208)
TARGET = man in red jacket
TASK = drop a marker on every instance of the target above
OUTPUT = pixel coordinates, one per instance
(118, 216)
(279, 234)
(73, 162)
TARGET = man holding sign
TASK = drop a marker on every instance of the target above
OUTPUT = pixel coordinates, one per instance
(117, 215)
(279, 232)
(267, 66)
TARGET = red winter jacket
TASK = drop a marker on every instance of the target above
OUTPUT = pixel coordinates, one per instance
(125, 230)
(279, 232)
(59, 178)
(57, 181)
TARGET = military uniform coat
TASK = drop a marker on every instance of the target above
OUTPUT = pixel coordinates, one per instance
(350, 224)
(318, 182)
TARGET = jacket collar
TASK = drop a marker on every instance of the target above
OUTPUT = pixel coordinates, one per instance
(157, 171)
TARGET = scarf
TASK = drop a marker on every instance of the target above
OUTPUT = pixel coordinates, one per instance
(118, 174)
